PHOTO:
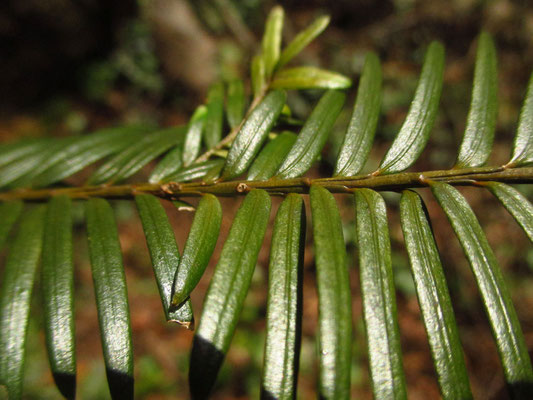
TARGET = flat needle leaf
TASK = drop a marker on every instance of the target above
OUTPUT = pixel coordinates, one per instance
(284, 310)
(434, 299)
(227, 291)
(164, 254)
(15, 296)
(111, 297)
(414, 133)
(272, 39)
(198, 248)
(516, 203)
(360, 133)
(253, 133)
(58, 294)
(481, 121)
(496, 298)
(523, 142)
(377, 291)
(309, 78)
(334, 298)
(313, 136)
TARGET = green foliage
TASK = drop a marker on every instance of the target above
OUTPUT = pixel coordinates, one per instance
(258, 155)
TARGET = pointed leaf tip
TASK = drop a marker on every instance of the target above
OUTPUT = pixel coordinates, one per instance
(523, 142)
(477, 141)
(493, 289)
(309, 78)
(313, 135)
(360, 132)
(415, 131)
(302, 40)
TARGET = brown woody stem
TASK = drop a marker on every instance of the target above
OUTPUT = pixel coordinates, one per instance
(174, 190)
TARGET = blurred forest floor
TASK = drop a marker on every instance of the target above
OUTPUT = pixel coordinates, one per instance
(72, 67)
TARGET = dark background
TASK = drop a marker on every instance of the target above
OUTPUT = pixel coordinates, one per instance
(68, 68)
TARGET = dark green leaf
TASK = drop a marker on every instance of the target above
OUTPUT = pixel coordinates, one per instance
(334, 298)
(21, 172)
(434, 299)
(523, 142)
(10, 152)
(194, 171)
(516, 203)
(253, 133)
(164, 254)
(481, 122)
(360, 133)
(284, 310)
(313, 136)
(215, 115)
(272, 39)
(87, 150)
(270, 158)
(15, 297)
(111, 297)
(377, 292)
(58, 294)
(193, 138)
(9, 213)
(198, 248)
(309, 78)
(417, 126)
(227, 291)
(137, 155)
(302, 40)
(170, 164)
(496, 297)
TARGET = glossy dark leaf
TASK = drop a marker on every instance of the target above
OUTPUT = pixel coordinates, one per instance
(377, 292)
(334, 298)
(164, 254)
(516, 203)
(193, 138)
(523, 142)
(360, 133)
(170, 164)
(271, 156)
(434, 299)
(313, 136)
(137, 155)
(284, 310)
(496, 298)
(253, 133)
(414, 133)
(111, 297)
(227, 291)
(87, 150)
(481, 121)
(198, 248)
(15, 297)
(58, 294)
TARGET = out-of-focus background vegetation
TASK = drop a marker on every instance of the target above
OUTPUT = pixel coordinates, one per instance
(72, 67)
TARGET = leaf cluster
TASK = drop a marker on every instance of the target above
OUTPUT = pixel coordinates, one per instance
(262, 154)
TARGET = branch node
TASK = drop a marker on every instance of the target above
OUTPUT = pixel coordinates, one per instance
(242, 188)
